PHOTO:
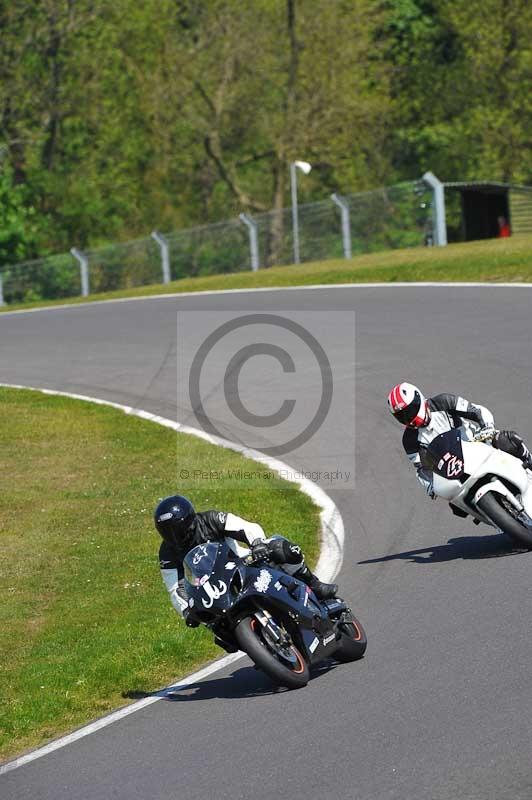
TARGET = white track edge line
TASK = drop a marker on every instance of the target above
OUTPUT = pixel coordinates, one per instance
(114, 716)
(213, 292)
(329, 562)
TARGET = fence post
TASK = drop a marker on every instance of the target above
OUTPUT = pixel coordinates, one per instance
(2, 301)
(165, 254)
(253, 239)
(83, 261)
(346, 225)
(438, 194)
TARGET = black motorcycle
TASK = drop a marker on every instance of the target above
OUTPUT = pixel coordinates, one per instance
(251, 605)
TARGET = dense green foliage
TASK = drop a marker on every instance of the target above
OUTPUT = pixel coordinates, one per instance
(16, 227)
(117, 117)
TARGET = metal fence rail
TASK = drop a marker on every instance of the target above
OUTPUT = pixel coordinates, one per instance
(53, 277)
(391, 217)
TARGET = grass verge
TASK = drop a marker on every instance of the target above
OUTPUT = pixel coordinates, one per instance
(498, 260)
(85, 621)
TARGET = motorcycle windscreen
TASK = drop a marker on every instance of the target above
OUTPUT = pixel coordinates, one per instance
(199, 562)
(444, 455)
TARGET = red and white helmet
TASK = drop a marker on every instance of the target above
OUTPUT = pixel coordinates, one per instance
(409, 406)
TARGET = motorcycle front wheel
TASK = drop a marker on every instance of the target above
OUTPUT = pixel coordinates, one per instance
(281, 662)
(353, 641)
(505, 517)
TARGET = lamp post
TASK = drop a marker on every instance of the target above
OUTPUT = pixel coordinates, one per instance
(305, 167)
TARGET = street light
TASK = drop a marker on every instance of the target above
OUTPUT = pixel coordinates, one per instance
(305, 167)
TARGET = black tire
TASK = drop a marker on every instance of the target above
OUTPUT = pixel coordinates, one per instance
(500, 513)
(249, 638)
(353, 641)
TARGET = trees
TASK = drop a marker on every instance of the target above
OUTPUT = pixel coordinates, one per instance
(496, 56)
(17, 227)
(461, 87)
(269, 82)
(118, 116)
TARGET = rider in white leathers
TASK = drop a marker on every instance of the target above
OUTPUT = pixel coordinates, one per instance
(425, 418)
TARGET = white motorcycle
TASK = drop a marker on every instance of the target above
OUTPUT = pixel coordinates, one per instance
(476, 479)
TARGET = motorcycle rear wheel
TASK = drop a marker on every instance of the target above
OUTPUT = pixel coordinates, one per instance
(284, 665)
(353, 641)
(505, 517)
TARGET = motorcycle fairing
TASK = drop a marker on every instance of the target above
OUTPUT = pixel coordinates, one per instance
(215, 578)
(481, 461)
(444, 456)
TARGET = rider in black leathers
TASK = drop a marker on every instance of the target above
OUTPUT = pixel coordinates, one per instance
(182, 528)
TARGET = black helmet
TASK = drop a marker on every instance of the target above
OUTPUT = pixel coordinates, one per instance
(173, 518)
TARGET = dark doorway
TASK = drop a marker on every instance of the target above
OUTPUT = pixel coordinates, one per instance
(481, 209)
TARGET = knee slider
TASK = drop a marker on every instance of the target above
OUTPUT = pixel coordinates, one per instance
(284, 552)
(509, 441)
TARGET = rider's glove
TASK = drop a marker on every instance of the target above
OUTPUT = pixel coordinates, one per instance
(260, 550)
(190, 621)
(487, 431)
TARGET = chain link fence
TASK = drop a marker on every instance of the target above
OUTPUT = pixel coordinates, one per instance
(45, 278)
(391, 217)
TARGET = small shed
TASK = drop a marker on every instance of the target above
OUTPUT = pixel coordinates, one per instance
(475, 209)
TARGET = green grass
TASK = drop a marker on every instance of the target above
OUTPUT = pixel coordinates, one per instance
(498, 260)
(85, 620)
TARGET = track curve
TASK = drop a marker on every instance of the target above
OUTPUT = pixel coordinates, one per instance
(438, 708)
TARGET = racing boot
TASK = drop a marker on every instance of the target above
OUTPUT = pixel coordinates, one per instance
(323, 591)
(526, 458)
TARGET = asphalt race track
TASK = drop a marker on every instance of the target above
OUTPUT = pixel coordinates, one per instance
(441, 707)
